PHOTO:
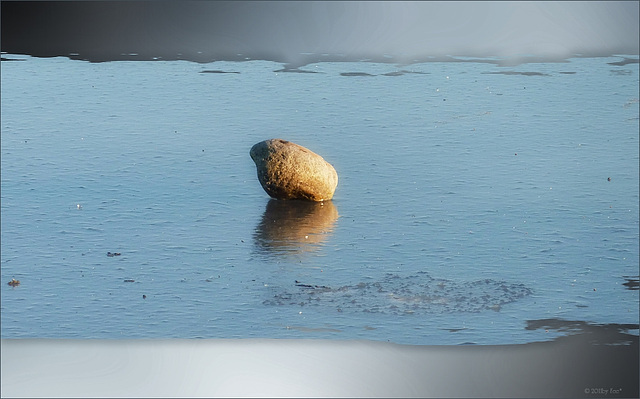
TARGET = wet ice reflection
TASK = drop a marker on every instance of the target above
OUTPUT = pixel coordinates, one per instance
(290, 227)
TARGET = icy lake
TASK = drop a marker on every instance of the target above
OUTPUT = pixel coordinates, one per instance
(475, 201)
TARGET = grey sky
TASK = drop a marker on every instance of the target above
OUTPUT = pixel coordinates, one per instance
(430, 28)
(464, 27)
(284, 29)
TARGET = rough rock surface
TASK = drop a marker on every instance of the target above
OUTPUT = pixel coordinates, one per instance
(289, 171)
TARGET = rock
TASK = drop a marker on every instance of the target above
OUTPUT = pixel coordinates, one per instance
(289, 171)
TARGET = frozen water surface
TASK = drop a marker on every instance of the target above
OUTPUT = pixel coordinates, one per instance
(474, 200)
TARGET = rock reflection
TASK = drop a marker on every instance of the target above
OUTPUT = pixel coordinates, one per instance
(294, 227)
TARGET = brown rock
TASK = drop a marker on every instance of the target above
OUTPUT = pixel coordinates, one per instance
(289, 171)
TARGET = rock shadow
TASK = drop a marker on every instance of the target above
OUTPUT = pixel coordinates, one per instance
(293, 227)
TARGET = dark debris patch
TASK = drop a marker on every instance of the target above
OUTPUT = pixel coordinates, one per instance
(295, 70)
(217, 71)
(624, 62)
(403, 72)
(632, 282)
(415, 294)
(621, 72)
(517, 73)
(397, 73)
(356, 74)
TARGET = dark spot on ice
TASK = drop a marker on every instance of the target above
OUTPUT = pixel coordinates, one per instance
(14, 282)
(455, 329)
(217, 71)
(625, 62)
(295, 70)
(632, 282)
(517, 73)
(403, 72)
(621, 72)
(356, 74)
(396, 73)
